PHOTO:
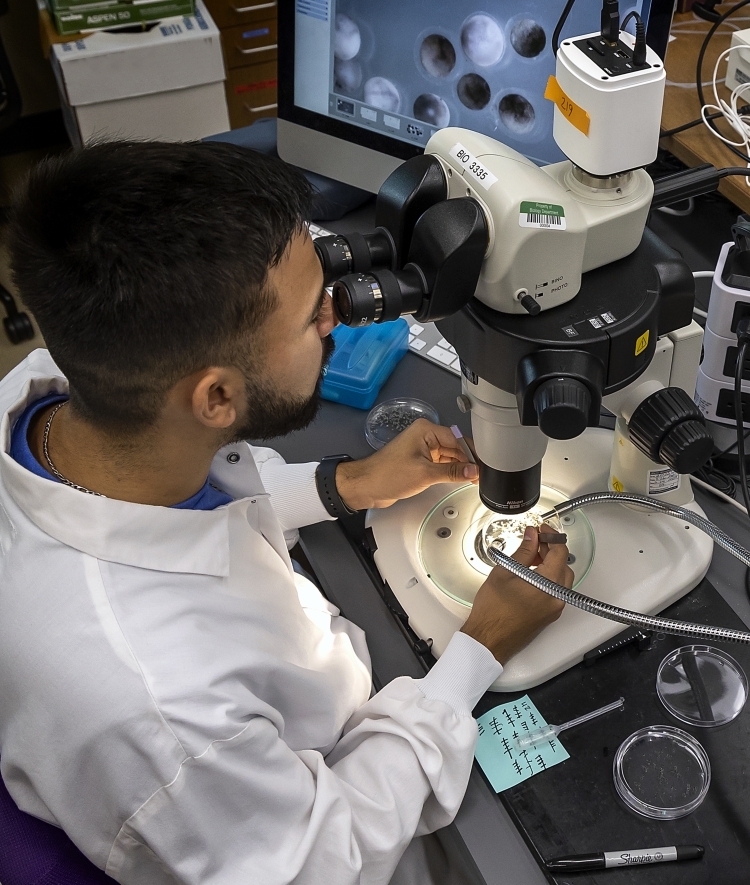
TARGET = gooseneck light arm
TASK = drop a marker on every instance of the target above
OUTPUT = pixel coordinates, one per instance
(613, 612)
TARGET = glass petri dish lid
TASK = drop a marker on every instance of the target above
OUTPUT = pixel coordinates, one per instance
(701, 685)
(386, 420)
(661, 772)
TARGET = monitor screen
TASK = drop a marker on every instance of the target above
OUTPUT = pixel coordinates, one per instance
(386, 74)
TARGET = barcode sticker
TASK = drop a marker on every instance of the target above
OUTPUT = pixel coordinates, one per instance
(541, 215)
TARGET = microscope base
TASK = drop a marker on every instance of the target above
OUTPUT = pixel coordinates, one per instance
(643, 562)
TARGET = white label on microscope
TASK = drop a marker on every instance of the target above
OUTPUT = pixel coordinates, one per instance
(470, 163)
(662, 481)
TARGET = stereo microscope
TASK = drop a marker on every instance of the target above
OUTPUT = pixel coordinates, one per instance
(559, 303)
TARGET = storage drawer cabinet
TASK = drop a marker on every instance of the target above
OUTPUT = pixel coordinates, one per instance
(251, 93)
(249, 34)
(227, 13)
(251, 43)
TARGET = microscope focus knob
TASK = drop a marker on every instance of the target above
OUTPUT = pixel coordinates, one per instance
(669, 429)
(562, 407)
(687, 447)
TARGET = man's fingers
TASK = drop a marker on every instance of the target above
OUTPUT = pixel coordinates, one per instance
(454, 471)
(555, 566)
(440, 441)
(527, 554)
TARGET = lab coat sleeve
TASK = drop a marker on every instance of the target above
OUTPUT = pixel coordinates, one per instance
(251, 809)
(294, 495)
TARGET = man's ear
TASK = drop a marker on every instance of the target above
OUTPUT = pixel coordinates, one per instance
(218, 396)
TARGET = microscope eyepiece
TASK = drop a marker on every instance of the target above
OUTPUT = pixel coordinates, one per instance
(364, 298)
(353, 253)
(335, 256)
(357, 299)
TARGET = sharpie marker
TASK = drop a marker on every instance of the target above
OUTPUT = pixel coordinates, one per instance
(605, 860)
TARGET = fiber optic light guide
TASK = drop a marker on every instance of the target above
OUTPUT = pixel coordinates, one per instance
(458, 561)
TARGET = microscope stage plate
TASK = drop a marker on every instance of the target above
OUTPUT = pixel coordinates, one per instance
(450, 540)
(643, 561)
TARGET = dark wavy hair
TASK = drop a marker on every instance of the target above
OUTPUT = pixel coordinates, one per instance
(144, 262)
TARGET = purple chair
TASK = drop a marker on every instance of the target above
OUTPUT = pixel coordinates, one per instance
(33, 852)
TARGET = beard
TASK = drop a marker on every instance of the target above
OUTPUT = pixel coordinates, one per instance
(271, 414)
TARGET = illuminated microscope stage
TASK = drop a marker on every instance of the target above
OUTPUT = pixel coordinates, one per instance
(430, 550)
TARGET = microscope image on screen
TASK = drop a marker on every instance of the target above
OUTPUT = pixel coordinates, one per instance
(409, 69)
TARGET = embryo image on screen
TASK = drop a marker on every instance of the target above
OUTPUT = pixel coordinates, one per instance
(409, 67)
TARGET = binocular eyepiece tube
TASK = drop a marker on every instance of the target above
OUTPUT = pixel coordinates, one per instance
(354, 253)
(360, 299)
(366, 289)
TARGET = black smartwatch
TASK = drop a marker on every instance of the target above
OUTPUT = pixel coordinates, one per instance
(325, 480)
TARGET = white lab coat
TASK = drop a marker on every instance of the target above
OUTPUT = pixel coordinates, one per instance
(189, 709)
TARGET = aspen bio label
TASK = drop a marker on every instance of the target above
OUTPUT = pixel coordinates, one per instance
(483, 177)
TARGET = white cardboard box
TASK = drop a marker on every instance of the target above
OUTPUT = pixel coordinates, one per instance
(166, 83)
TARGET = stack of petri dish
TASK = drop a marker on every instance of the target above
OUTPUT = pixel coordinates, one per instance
(661, 771)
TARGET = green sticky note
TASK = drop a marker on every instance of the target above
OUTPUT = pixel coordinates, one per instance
(503, 764)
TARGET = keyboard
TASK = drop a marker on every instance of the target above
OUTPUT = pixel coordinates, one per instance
(424, 338)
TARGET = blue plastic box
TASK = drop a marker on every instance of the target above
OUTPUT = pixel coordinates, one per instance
(363, 359)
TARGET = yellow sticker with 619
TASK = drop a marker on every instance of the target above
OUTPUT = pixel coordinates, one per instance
(567, 107)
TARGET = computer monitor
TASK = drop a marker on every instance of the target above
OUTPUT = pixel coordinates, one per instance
(363, 84)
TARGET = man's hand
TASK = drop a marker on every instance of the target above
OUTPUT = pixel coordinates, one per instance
(508, 612)
(420, 456)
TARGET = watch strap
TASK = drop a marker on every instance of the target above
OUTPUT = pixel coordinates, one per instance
(325, 481)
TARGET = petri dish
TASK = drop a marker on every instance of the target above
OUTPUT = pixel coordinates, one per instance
(453, 539)
(701, 685)
(386, 420)
(662, 772)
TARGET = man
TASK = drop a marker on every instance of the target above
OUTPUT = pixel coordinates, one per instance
(175, 697)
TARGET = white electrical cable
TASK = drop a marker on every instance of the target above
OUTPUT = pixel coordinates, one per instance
(739, 123)
(680, 213)
(689, 85)
(709, 488)
(685, 29)
(702, 275)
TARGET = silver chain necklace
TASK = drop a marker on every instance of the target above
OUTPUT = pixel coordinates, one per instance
(55, 472)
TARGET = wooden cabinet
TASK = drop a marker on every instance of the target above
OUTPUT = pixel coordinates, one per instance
(251, 93)
(227, 13)
(248, 39)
